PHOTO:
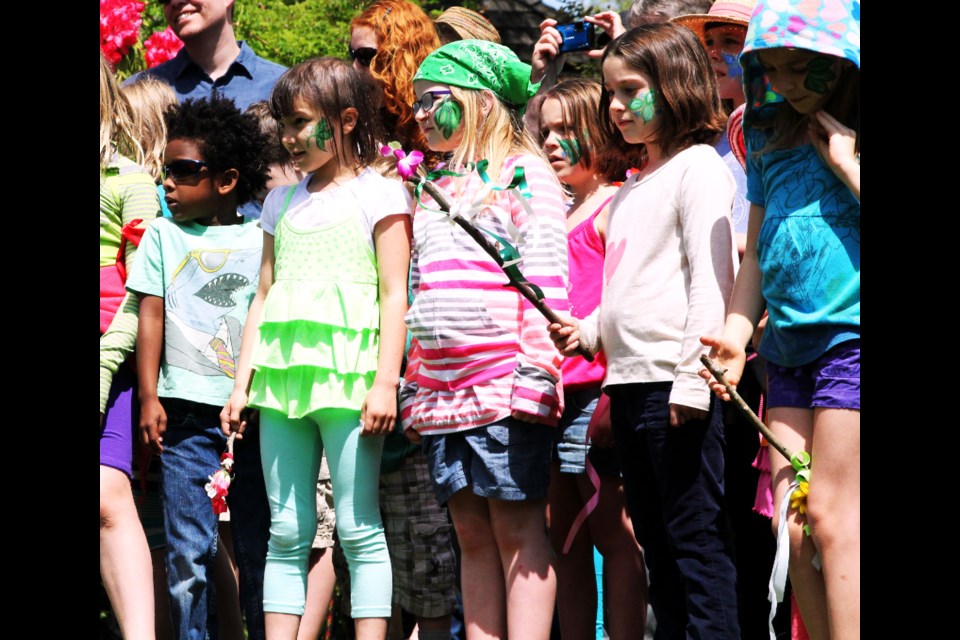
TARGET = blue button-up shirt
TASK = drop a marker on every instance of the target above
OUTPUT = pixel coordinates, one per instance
(249, 78)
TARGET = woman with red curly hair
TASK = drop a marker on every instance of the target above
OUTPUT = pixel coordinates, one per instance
(389, 40)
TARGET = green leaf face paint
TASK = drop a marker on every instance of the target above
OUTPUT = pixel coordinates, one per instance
(322, 133)
(448, 116)
(820, 73)
(643, 106)
(571, 149)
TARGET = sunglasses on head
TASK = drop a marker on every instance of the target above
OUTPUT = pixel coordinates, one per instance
(363, 55)
(181, 169)
(428, 100)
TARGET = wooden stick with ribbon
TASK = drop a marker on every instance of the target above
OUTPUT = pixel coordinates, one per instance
(407, 167)
(443, 201)
(741, 404)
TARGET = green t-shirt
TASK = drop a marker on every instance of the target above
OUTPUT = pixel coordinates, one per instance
(207, 277)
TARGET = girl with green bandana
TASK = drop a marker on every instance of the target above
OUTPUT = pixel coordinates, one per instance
(482, 385)
(573, 140)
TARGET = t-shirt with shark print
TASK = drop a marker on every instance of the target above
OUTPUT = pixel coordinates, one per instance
(207, 277)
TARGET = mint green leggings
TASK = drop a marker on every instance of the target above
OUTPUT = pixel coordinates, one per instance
(290, 453)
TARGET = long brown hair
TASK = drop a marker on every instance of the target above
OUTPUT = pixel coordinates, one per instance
(688, 104)
(579, 100)
(789, 126)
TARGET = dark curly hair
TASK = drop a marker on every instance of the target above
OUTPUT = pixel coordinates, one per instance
(227, 139)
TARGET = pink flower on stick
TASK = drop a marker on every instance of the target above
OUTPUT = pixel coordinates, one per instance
(406, 163)
(219, 485)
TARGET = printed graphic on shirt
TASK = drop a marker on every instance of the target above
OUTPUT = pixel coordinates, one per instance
(206, 303)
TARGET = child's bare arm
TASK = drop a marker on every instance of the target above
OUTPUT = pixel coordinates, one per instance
(746, 307)
(392, 240)
(153, 419)
(837, 146)
(231, 418)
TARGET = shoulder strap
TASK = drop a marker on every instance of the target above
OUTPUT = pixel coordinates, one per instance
(286, 202)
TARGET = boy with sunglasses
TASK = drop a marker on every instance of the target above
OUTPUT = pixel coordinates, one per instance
(195, 277)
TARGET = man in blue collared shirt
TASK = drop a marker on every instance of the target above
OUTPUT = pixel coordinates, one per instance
(211, 58)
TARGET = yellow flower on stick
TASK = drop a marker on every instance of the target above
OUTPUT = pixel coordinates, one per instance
(798, 499)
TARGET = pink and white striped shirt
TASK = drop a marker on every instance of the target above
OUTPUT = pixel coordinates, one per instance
(480, 350)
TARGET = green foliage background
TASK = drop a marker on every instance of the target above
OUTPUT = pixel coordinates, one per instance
(290, 31)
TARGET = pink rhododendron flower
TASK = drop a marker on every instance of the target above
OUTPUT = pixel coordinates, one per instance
(120, 22)
(161, 46)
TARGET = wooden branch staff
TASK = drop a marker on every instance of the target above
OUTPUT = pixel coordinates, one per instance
(741, 404)
(443, 201)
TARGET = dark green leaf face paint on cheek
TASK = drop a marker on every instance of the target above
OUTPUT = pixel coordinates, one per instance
(448, 116)
(571, 149)
(322, 133)
(820, 73)
(643, 106)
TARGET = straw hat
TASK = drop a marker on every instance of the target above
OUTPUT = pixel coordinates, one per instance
(736, 12)
(467, 24)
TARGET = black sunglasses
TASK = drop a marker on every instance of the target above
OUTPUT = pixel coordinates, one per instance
(363, 55)
(428, 99)
(181, 169)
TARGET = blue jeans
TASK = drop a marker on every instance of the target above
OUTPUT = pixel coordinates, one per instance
(191, 452)
(673, 479)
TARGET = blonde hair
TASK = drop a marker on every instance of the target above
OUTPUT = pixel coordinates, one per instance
(149, 99)
(493, 136)
(116, 125)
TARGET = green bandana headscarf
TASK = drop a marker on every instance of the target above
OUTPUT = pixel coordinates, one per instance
(480, 64)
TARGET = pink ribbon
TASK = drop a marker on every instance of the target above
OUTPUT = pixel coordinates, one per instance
(587, 508)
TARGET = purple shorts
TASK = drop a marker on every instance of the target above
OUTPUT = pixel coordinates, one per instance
(832, 381)
(119, 423)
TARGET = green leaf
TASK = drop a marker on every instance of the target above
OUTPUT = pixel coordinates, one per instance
(820, 73)
(322, 133)
(448, 116)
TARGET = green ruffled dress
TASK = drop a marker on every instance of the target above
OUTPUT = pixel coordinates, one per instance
(318, 341)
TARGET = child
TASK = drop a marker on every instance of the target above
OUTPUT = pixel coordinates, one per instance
(573, 140)
(803, 261)
(326, 339)
(669, 267)
(127, 193)
(481, 387)
(722, 31)
(195, 277)
(321, 580)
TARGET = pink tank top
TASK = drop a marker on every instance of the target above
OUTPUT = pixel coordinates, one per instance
(585, 251)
